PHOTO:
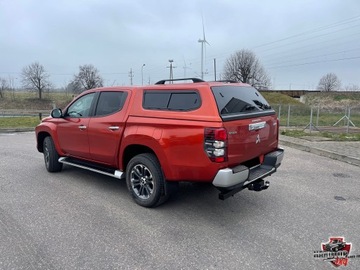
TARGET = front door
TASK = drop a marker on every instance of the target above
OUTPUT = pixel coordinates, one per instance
(73, 131)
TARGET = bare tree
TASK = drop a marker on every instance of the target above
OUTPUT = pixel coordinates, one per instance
(87, 78)
(352, 87)
(243, 66)
(35, 78)
(4, 85)
(74, 87)
(329, 82)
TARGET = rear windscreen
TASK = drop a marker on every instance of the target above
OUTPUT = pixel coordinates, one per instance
(239, 100)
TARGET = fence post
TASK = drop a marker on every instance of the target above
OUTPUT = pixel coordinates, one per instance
(348, 121)
(311, 117)
(346, 112)
(40, 115)
(288, 118)
(279, 113)
(317, 116)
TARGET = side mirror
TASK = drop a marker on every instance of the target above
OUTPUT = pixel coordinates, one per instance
(56, 113)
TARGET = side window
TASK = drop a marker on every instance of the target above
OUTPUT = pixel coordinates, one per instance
(184, 101)
(171, 100)
(81, 107)
(156, 100)
(110, 102)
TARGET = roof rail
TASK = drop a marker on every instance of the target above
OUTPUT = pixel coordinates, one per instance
(228, 81)
(194, 80)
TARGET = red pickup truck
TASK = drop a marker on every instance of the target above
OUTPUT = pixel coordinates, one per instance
(158, 135)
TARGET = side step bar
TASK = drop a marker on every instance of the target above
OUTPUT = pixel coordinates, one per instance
(91, 167)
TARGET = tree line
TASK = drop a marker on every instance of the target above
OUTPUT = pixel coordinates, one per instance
(242, 66)
(35, 78)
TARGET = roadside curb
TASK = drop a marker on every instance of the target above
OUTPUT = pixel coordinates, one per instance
(15, 130)
(303, 146)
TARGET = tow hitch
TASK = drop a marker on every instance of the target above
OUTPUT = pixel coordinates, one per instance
(259, 185)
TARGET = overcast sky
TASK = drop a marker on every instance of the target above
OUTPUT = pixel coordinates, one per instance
(296, 41)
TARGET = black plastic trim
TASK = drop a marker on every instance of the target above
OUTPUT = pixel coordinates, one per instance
(246, 116)
(195, 80)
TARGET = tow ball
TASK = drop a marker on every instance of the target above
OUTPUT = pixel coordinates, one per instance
(259, 185)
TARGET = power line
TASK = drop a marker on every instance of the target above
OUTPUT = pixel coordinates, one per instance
(311, 31)
(312, 57)
(316, 62)
(321, 28)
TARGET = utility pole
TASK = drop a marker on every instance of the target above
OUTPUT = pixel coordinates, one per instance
(131, 75)
(215, 68)
(171, 70)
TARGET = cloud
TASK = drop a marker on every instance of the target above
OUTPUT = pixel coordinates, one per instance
(116, 36)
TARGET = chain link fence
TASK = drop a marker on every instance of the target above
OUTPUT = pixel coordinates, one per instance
(337, 119)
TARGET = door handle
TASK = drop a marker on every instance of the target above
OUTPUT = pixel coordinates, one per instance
(114, 128)
(82, 127)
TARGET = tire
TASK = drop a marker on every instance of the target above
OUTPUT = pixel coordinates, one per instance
(145, 180)
(51, 157)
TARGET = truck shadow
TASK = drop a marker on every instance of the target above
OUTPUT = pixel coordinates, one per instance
(197, 200)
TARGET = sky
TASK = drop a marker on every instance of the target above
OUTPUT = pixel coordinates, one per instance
(296, 41)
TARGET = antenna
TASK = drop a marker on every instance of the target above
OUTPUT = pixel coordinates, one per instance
(203, 42)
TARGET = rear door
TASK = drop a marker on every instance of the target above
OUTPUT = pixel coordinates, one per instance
(249, 120)
(106, 127)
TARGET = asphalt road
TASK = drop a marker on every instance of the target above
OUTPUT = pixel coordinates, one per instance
(80, 220)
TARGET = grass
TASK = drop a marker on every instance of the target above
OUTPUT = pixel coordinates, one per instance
(300, 116)
(323, 120)
(30, 100)
(299, 133)
(277, 98)
(19, 122)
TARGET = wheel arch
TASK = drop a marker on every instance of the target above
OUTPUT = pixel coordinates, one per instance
(41, 134)
(40, 140)
(133, 150)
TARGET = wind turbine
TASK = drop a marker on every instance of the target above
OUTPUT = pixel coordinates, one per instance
(203, 42)
(185, 67)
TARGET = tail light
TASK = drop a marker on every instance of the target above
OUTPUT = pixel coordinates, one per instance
(215, 144)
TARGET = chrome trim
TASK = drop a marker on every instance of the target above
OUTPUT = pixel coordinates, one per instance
(257, 139)
(257, 126)
(114, 128)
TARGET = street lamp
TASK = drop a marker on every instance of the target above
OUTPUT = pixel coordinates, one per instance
(142, 74)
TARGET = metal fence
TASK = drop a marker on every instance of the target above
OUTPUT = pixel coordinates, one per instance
(24, 113)
(337, 119)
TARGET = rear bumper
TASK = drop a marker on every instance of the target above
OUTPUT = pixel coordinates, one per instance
(233, 180)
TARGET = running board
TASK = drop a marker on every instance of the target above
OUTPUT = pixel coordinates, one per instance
(91, 167)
